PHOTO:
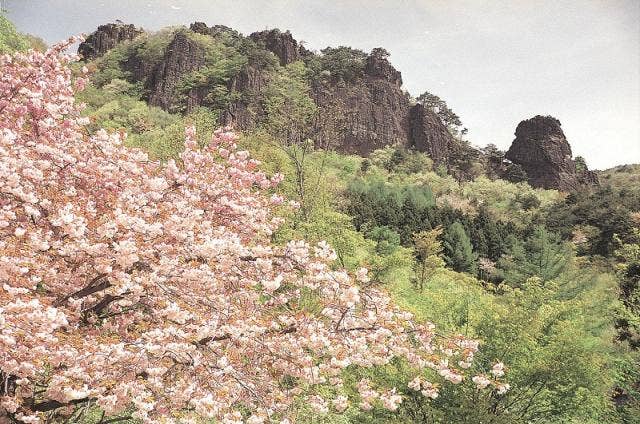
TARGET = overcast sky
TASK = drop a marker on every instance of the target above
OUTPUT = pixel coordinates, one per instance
(495, 62)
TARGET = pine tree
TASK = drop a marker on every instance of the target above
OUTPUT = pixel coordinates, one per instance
(542, 255)
(459, 253)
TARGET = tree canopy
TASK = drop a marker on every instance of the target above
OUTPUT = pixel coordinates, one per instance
(131, 283)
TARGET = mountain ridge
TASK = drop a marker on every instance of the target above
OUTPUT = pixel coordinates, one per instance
(358, 100)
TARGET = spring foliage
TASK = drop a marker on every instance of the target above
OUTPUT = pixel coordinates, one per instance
(135, 284)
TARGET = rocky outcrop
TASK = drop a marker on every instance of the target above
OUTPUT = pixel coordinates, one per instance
(360, 115)
(428, 134)
(105, 38)
(360, 118)
(366, 114)
(372, 112)
(542, 150)
(282, 44)
(214, 31)
(378, 66)
(246, 111)
(357, 114)
(588, 178)
(182, 56)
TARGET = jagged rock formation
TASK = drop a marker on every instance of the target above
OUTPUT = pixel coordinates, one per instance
(105, 38)
(244, 112)
(428, 134)
(359, 115)
(542, 150)
(361, 107)
(183, 55)
(202, 28)
(377, 66)
(282, 44)
(366, 114)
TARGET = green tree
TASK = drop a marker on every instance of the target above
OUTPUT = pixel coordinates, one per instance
(439, 106)
(405, 208)
(289, 111)
(488, 234)
(608, 208)
(556, 346)
(542, 255)
(10, 39)
(527, 201)
(288, 105)
(627, 393)
(458, 249)
(223, 61)
(515, 173)
(428, 250)
(386, 239)
(389, 257)
(493, 160)
(628, 273)
(338, 63)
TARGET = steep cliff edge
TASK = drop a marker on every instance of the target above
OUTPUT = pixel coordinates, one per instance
(282, 44)
(357, 114)
(182, 56)
(365, 113)
(360, 103)
(542, 150)
(105, 38)
(428, 134)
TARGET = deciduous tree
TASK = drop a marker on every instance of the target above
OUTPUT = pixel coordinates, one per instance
(137, 285)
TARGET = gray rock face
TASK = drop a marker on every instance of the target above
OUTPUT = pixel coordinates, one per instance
(182, 56)
(542, 150)
(428, 134)
(363, 116)
(282, 44)
(105, 38)
(359, 116)
(373, 112)
(245, 112)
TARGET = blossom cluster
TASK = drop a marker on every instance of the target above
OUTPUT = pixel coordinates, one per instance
(132, 283)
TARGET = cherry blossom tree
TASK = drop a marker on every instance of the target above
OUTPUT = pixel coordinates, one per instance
(133, 285)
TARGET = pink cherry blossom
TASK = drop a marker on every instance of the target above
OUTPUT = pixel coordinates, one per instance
(137, 285)
(498, 369)
(481, 381)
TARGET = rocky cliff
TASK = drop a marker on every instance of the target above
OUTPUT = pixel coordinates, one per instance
(282, 44)
(357, 116)
(542, 150)
(361, 105)
(366, 113)
(182, 56)
(428, 134)
(105, 38)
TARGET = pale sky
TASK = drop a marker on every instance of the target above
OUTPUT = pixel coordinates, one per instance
(495, 62)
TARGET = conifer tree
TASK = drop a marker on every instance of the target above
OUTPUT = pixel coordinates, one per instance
(459, 253)
(542, 255)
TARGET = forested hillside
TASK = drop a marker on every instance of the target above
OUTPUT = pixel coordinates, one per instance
(174, 235)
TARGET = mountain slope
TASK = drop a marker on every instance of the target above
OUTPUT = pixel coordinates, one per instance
(341, 98)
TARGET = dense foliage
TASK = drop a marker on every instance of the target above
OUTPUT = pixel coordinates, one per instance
(338, 64)
(132, 284)
(11, 40)
(546, 282)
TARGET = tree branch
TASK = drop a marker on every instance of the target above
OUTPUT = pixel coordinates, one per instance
(287, 330)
